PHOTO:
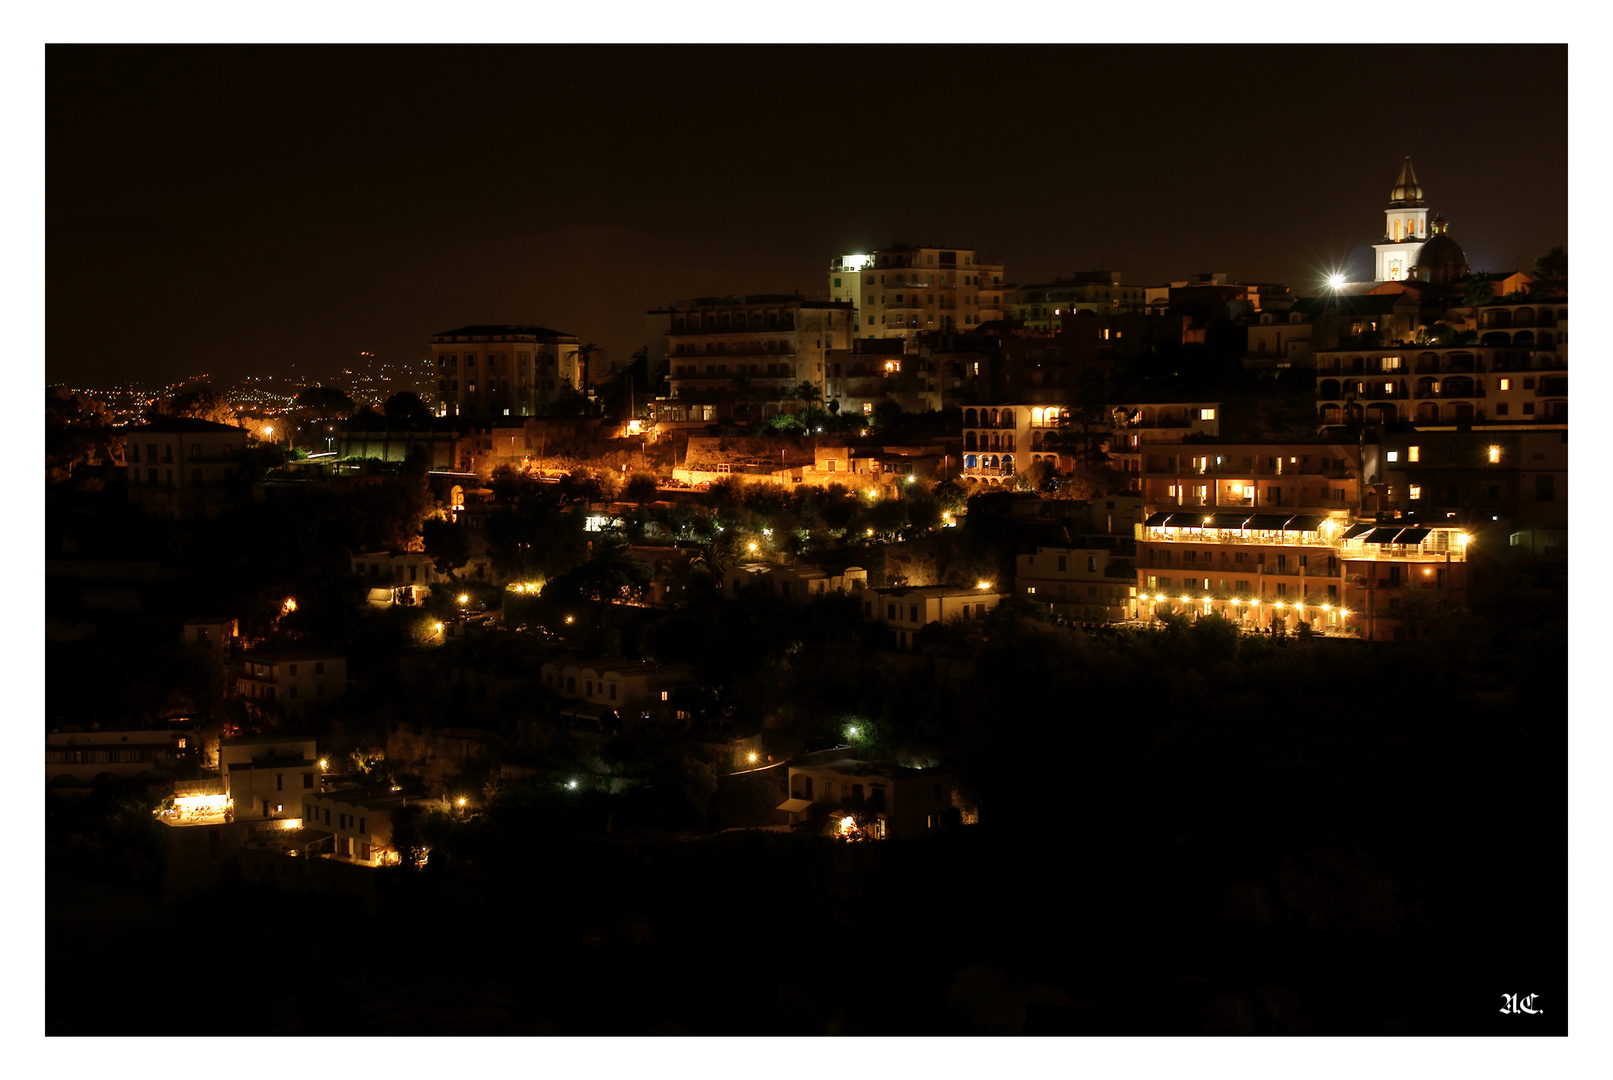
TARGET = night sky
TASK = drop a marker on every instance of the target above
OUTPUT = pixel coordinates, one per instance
(243, 210)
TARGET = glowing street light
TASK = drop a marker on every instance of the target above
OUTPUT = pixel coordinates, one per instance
(982, 584)
(1335, 281)
(751, 759)
(571, 785)
(463, 598)
(462, 801)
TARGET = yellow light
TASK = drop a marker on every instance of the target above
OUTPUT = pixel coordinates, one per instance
(752, 759)
(1462, 539)
(982, 584)
(1495, 454)
(848, 823)
(568, 620)
(463, 598)
(1236, 601)
(324, 763)
(1184, 599)
(753, 545)
(437, 627)
(1277, 604)
(289, 606)
(462, 800)
(1327, 607)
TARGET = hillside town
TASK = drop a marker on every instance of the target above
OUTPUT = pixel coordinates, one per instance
(932, 560)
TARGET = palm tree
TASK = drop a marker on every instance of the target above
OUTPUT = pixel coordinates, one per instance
(584, 354)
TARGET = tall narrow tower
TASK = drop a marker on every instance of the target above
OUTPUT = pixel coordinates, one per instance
(1405, 227)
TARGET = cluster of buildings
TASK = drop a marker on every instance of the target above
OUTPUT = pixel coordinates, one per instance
(1440, 423)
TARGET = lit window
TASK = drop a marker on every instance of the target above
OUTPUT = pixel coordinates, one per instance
(1411, 453)
(1206, 414)
(1394, 455)
(1414, 491)
(1506, 384)
(1495, 455)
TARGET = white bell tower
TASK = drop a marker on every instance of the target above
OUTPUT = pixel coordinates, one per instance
(1405, 227)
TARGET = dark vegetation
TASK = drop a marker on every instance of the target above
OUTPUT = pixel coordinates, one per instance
(1181, 830)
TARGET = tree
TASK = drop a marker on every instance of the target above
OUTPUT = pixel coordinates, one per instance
(447, 545)
(641, 489)
(1480, 289)
(200, 403)
(1553, 264)
(406, 406)
(585, 354)
(325, 402)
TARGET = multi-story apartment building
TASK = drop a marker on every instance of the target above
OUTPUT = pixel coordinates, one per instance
(181, 467)
(904, 290)
(1274, 571)
(994, 434)
(745, 357)
(1314, 478)
(906, 611)
(634, 689)
(268, 778)
(1095, 584)
(496, 371)
(1137, 427)
(902, 802)
(1042, 306)
(360, 824)
(291, 681)
(1515, 478)
(1512, 376)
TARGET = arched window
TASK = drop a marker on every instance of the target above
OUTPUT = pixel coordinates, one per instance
(968, 418)
(968, 440)
(970, 461)
(1394, 231)
(1008, 418)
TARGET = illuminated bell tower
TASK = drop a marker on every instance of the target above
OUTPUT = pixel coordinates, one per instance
(1405, 227)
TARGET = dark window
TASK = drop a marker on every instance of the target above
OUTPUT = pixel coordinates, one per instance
(279, 781)
(307, 780)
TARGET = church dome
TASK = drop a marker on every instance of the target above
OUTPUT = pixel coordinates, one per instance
(1407, 191)
(1440, 260)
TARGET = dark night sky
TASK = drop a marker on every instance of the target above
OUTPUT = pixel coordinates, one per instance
(241, 210)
